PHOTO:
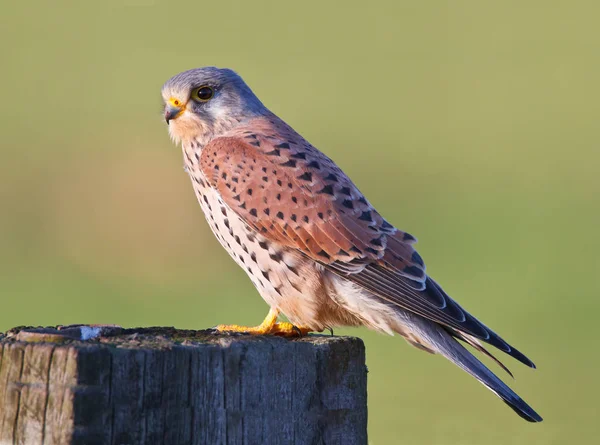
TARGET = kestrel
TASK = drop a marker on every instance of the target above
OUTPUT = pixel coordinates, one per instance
(312, 244)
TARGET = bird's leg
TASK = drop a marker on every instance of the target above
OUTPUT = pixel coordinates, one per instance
(268, 326)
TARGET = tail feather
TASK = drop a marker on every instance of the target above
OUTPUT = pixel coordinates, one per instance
(460, 356)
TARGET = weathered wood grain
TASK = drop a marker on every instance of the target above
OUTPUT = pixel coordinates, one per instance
(161, 386)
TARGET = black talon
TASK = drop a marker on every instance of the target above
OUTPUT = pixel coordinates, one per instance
(330, 330)
(297, 329)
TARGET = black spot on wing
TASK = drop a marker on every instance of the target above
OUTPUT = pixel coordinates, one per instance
(408, 237)
(366, 216)
(416, 258)
(306, 177)
(377, 241)
(386, 225)
(328, 190)
(323, 254)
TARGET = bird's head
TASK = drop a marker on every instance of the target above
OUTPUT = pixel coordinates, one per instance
(204, 102)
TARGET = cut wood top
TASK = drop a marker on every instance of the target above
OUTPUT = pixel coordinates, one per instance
(150, 337)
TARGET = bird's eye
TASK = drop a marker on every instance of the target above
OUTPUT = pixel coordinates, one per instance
(203, 93)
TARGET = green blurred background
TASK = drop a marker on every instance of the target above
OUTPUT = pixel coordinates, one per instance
(473, 125)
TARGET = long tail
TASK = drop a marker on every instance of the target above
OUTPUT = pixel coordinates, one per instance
(443, 343)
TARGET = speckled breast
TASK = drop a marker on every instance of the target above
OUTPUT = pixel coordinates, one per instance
(251, 251)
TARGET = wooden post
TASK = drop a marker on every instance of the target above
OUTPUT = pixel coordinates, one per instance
(162, 386)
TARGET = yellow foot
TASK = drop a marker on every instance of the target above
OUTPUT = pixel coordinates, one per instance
(269, 326)
(286, 329)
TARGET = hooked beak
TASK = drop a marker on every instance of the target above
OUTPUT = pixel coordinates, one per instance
(173, 109)
(172, 112)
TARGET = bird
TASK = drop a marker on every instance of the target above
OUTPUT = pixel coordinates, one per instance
(314, 247)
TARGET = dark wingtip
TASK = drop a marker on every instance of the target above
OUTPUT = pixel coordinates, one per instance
(497, 341)
(472, 325)
(521, 357)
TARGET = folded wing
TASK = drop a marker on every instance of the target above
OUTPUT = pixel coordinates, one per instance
(293, 194)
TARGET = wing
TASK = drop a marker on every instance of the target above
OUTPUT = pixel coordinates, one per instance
(293, 194)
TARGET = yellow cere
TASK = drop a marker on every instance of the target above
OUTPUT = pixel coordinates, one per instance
(176, 102)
